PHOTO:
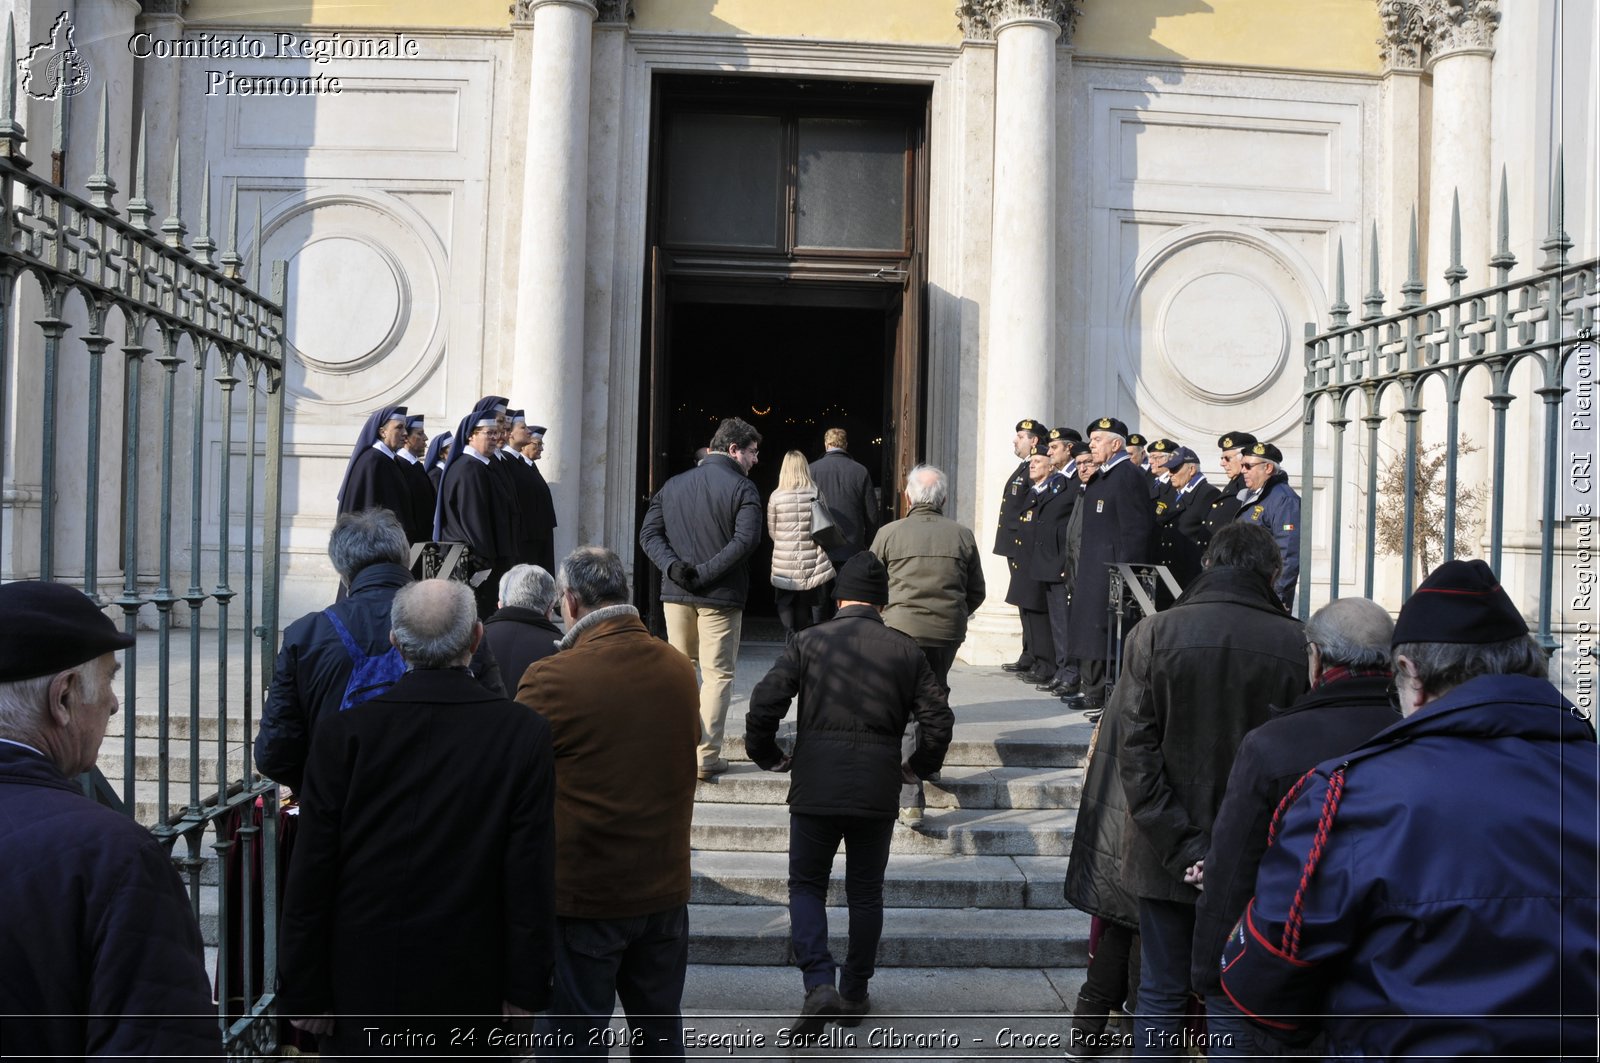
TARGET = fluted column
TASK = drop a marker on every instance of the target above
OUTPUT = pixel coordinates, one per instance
(1019, 346)
(1461, 43)
(547, 362)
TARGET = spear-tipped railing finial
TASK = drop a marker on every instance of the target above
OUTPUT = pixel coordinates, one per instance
(1340, 309)
(100, 184)
(173, 226)
(1455, 272)
(12, 136)
(231, 260)
(1373, 303)
(1558, 243)
(139, 209)
(1413, 288)
(203, 245)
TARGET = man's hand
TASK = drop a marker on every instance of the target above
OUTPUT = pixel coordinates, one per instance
(1195, 875)
(683, 574)
(318, 1026)
(784, 764)
(907, 775)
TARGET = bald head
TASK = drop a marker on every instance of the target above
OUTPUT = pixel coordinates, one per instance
(434, 624)
(1354, 632)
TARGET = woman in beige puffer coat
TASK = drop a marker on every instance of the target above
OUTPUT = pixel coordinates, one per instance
(799, 566)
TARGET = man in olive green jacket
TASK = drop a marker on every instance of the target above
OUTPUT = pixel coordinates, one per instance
(935, 584)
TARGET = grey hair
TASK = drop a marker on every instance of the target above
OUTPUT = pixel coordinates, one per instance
(927, 486)
(432, 622)
(21, 700)
(1442, 665)
(528, 587)
(595, 576)
(367, 537)
(1354, 632)
(1241, 544)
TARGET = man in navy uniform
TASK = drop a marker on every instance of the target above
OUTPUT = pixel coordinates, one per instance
(471, 506)
(1180, 536)
(1007, 542)
(1119, 518)
(1269, 501)
(1226, 507)
(373, 478)
(1026, 590)
(1136, 445)
(1052, 510)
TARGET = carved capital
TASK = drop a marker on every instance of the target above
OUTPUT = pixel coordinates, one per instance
(1416, 32)
(980, 19)
(1404, 43)
(1458, 25)
(615, 10)
(522, 10)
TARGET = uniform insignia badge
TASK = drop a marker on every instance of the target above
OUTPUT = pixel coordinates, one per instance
(1100, 505)
(1258, 511)
(1288, 527)
(1161, 507)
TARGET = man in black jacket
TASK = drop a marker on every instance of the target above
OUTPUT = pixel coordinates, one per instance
(1348, 646)
(369, 551)
(1196, 678)
(699, 531)
(846, 486)
(859, 682)
(521, 631)
(1008, 538)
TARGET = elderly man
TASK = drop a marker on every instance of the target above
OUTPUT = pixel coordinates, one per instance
(1432, 893)
(102, 955)
(1119, 520)
(1029, 433)
(700, 530)
(1195, 680)
(341, 656)
(522, 630)
(1027, 588)
(1268, 500)
(859, 683)
(420, 898)
(935, 585)
(1180, 536)
(1348, 664)
(1225, 507)
(624, 715)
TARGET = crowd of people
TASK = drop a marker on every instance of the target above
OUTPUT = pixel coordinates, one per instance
(1358, 836)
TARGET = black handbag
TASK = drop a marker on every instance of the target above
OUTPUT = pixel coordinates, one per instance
(824, 532)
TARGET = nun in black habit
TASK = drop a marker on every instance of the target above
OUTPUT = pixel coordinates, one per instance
(471, 507)
(374, 478)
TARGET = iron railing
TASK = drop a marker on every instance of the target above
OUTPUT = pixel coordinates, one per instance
(1541, 318)
(209, 336)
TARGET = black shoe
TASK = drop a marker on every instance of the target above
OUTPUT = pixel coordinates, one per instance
(1093, 712)
(1051, 686)
(821, 1005)
(1072, 701)
(851, 1012)
(1015, 666)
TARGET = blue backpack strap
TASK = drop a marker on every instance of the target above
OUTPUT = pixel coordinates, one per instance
(356, 653)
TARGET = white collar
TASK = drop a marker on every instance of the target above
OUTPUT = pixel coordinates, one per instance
(380, 445)
(474, 454)
(1116, 459)
(1194, 481)
(407, 456)
(24, 745)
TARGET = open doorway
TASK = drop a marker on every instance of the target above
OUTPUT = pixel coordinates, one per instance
(793, 372)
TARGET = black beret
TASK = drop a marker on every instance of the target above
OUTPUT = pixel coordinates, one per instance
(1109, 424)
(1266, 451)
(1135, 439)
(1039, 450)
(1078, 448)
(1069, 434)
(1029, 424)
(47, 628)
(1164, 446)
(1235, 441)
(863, 579)
(1459, 602)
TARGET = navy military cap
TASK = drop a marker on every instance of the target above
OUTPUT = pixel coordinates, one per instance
(1267, 452)
(1109, 424)
(1236, 441)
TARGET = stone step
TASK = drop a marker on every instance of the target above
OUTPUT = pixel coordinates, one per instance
(974, 832)
(147, 723)
(961, 786)
(912, 937)
(1035, 746)
(910, 881)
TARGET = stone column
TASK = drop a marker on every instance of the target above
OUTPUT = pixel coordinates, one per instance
(1461, 40)
(547, 359)
(1019, 347)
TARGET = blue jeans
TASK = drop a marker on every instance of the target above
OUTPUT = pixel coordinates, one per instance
(1166, 938)
(641, 960)
(813, 842)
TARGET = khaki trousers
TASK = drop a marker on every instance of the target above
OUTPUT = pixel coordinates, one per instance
(708, 636)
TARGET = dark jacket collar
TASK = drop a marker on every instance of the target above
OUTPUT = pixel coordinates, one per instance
(1227, 583)
(382, 575)
(1496, 706)
(721, 461)
(517, 614)
(859, 612)
(1364, 691)
(18, 765)
(453, 685)
(925, 507)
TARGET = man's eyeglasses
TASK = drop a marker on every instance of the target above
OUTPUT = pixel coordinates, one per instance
(1251, 464)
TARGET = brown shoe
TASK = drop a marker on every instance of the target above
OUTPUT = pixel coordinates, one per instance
(711, 769)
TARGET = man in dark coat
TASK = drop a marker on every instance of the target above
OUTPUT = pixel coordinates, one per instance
(314, 664)
(1119, 520)
(1052, 511)
(421, 896)
(859, 683)
(700, 530)
(1007, 536)
(373, 477)
(473, 506)
(424, 495)
(1081, 471)
(1196, 679)
(846, 487)
(102, 956)
(1025, 590)
(521, 631)
(1225, 507)
(1432, 893)
(1180, 508)
(1268, 500)
(1348, 703)
(541, 519)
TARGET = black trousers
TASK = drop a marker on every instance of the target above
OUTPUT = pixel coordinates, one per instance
(1038, 642)
(1112, 980)
(813, 843)
(1056, 598)
(796, 609)
(1092, 677)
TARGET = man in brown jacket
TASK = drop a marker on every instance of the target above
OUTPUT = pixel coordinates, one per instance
(624, 716)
